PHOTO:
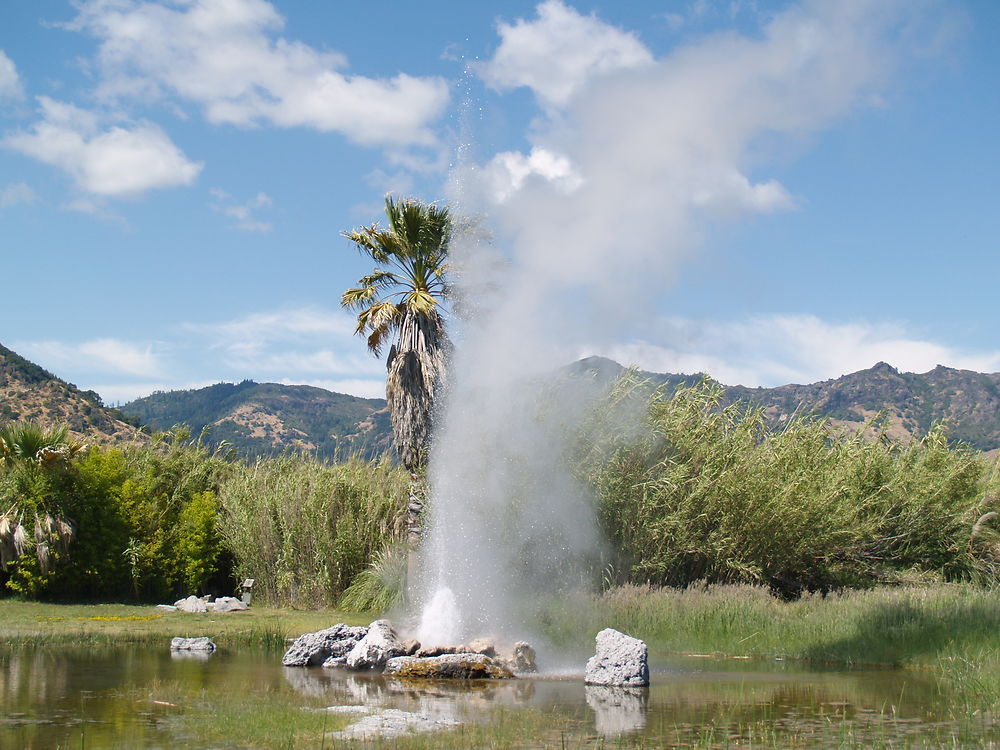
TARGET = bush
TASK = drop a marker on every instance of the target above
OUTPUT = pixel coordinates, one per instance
(707, 493)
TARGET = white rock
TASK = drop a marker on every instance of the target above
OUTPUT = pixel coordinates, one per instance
(166, 607)
(229, 604)
(315, 648)
(378, 646)
(200, 643)
(620, 661)
(348, 710)
(393, 723)
(191, 604)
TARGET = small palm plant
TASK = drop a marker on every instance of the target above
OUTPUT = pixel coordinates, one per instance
(28, 454)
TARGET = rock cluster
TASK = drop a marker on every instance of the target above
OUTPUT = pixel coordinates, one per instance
(323, 646)
(466, 666)
(378, 648)
(200, 604)
(620, 661)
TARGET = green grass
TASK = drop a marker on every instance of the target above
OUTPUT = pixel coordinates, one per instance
(36, 624)
(251, 718)
(951, 631)
(907, 625)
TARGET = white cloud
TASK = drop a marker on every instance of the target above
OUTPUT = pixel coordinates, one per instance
(251, 334)
(120, 393)
(227, 57)
(658, 150)
(243, 213)
(17, 193)
(354, 387)
(558, 52)
(509, 170)
(121, 160)
(105, 354)
(10, 82)
(731, 193)
(779, 349)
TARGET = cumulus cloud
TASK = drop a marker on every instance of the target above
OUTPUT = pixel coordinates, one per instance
(251, 332)
(227, 57)
(508, 171)
(10, 82)
(557, 52)
(17, 193)
(115, 161)
(778, 349)
(301, 339)
(655, 151)
(105, 354)
(243, 214)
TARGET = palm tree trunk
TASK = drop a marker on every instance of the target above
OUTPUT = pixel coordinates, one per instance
(414, 531)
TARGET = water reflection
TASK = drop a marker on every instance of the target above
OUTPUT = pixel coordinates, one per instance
(53, 697)
(618, 710)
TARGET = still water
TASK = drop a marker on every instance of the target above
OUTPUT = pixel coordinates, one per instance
(127, 697)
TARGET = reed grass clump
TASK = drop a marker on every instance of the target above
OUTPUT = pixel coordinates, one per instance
(303, 529)
(381, 586)
(708, 492)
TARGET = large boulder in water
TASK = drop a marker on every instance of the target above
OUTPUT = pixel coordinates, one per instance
(620, 661)
(315, 648)
(448, 666)
(199, 643)
(378, 646)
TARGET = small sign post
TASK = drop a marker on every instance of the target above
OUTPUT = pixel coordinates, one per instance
(247, 591)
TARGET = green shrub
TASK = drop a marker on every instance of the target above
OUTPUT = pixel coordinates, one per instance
(199, 545)
(707, 493)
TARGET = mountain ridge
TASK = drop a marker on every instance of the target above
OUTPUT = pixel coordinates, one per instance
(268, 418)
(30, 392)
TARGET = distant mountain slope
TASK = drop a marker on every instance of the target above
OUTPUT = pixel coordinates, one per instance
(267, 418)
(29, 392)
(968, 401)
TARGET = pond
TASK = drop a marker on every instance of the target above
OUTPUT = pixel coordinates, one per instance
(137, 697)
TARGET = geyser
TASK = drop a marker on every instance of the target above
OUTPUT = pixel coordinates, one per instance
(626, 169)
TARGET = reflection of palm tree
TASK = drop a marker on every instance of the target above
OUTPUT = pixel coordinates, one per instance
(30, 454)
(401, 298)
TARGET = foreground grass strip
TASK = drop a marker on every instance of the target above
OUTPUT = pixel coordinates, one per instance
(35, 624)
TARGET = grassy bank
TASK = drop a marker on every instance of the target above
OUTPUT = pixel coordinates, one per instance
(898, 626)
(35, 624)
(952, 631)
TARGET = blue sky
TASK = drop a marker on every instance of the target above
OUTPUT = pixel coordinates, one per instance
(175, 175)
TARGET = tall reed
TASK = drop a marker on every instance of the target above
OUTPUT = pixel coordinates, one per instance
(303, 529)
(708, 492)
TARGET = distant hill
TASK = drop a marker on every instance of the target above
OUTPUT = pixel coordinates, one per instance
(29, 392)
(968, 401)
(267, 418)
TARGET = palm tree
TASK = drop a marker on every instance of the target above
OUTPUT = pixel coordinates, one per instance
(29, 453)
(401, 298)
